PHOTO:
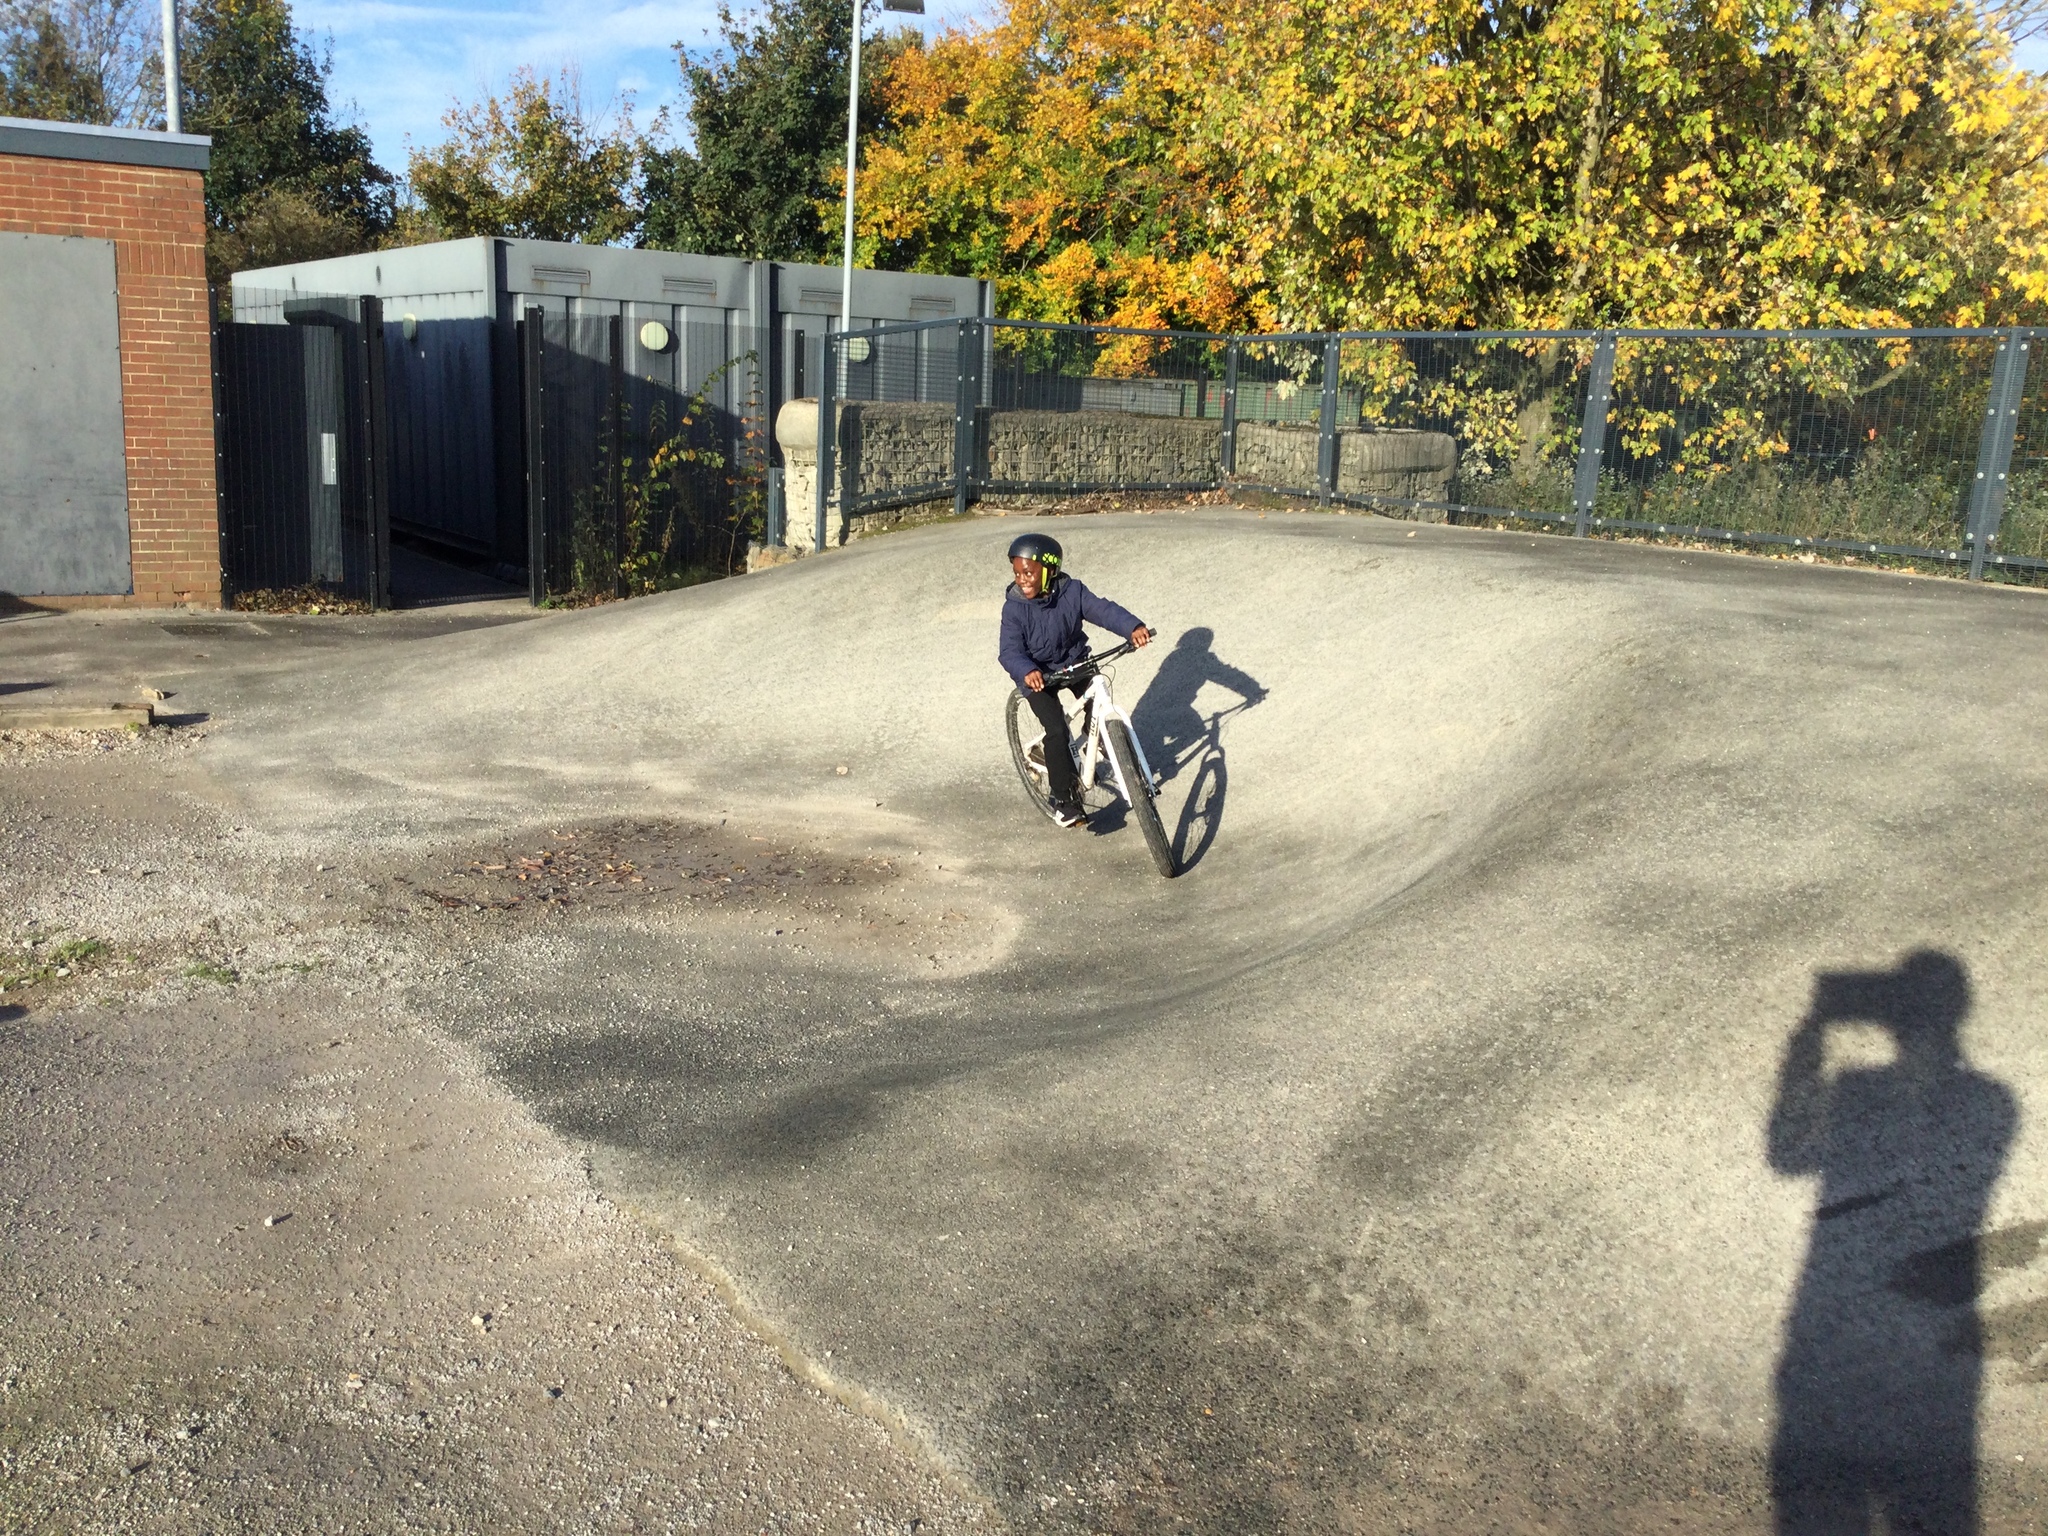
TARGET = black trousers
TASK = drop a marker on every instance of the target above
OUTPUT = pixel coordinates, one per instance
(1059, 751)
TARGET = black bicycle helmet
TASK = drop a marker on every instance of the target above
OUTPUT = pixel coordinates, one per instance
(1044, 549)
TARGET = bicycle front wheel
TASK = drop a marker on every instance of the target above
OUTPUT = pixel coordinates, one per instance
(1143, 809)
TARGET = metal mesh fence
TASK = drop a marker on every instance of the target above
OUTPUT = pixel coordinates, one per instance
(895, 396)
(647, 462)
(2018, 542)
(1918, 444)
(635, 482)
(1866, 443)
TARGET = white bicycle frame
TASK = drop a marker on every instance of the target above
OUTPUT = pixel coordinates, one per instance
(1098, 708)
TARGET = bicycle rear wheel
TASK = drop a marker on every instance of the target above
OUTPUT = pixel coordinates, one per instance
(1025, 733)
(1143, 810)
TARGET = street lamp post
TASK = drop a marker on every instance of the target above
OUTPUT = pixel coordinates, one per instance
(908, 8)
(173, 104)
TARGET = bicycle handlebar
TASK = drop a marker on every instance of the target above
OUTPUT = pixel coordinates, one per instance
(1089, 662)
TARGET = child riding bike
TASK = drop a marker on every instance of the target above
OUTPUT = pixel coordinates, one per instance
(1042, 614)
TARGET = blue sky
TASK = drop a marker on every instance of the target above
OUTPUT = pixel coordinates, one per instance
(401, 62)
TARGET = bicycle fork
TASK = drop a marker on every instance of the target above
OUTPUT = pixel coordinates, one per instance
(1098, 736)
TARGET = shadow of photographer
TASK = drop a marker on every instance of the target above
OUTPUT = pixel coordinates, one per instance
(1878, 1378)
(1177, 734)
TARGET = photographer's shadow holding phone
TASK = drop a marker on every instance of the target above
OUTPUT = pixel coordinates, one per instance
(1176, 733)
(1878, 1379)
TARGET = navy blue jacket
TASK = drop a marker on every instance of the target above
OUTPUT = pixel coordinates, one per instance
(1043, 633)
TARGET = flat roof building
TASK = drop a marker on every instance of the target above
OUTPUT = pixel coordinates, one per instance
(751, 330)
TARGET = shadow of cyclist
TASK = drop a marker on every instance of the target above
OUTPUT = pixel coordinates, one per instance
(1176, 733)
(1878, 1378)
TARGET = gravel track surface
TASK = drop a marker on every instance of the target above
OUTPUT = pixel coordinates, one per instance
(279, 1256)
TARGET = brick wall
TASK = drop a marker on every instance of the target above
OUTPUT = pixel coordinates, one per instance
(157, 220)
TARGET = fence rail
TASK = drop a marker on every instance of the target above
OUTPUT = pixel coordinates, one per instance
(1921, 444)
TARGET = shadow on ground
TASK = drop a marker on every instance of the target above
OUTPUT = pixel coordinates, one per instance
(1176, 735)
(1879, 1377)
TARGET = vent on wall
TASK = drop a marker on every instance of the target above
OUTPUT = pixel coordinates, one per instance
(821, 296)
(926, 306)
(690, 290)
(572, 277)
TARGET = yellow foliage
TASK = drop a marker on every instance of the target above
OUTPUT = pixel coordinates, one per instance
(1367, 164)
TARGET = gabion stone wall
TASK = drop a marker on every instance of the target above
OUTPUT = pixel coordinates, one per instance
(890, 452)
(1402, 464)
(1098, 449)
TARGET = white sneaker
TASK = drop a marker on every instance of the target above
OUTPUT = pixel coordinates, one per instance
(1069, 816)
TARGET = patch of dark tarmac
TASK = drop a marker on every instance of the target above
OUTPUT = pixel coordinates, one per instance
(656, 862)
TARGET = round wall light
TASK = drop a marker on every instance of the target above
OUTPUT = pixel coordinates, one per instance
(654, 336)
(858, 349)
(409, 327)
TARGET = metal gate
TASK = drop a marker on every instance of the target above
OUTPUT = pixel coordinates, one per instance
(301, 434)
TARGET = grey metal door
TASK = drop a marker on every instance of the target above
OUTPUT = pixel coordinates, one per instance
(63, 458)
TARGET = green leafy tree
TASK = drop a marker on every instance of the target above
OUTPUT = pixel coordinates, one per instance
(767, 163)
(287, 180)
(535, 165)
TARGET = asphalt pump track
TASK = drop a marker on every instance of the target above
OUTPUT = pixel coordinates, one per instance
(1585, 1079)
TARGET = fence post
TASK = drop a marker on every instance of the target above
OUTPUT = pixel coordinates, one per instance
(1229, 444)
(1994, 448)
(966, 398)
(1593, 433)
(828, 434)
(772, 534)
(1326, 436)
(376, 451)
(530, 354)
(223, 494)
(615, 447)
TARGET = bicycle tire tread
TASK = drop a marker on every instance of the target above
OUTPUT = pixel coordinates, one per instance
(1143, 809)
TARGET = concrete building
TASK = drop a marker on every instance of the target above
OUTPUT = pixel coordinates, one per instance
(107, 491)
(452, 310)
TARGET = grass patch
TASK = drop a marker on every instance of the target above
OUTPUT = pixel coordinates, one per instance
(37, 962)
(206, 970)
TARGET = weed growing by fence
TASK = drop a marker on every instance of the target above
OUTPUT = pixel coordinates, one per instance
(685, 509)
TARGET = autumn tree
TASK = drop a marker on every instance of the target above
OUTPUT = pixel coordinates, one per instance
(287, 180)
(1364, 163)
(765, 166)
(1058, 153)
(535, 165)
(1635, 161)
